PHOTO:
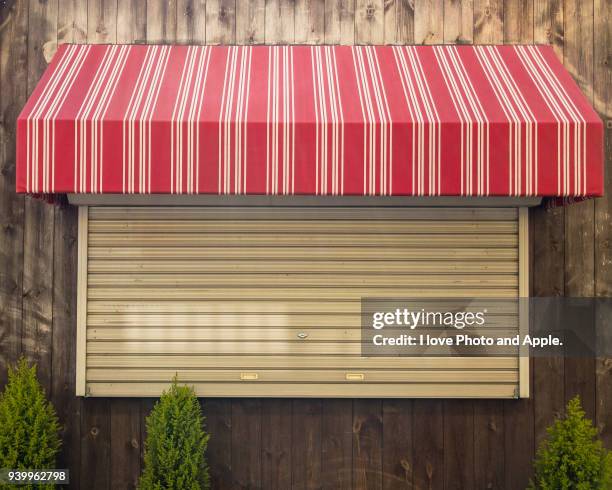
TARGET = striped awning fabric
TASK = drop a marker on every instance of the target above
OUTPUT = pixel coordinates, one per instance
(324, 120)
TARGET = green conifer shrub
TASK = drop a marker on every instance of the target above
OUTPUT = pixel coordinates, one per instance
(176, 443)
(572, 457)
(29, 428)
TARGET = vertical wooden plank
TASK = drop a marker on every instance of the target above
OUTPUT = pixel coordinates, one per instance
(602, 84)
(276, 457)
(39, 219)
(279, 21)
(13, 94)
(458, 444)
(336, 444)
(191, 21)
(218, 413)
(488, 444)
(95, 444)
(367, 444)
(428, 447)
(95, 413)
(549, 250)
(458, 21)
(518, 21)
(397, 444)
(580, 217)
(399, 22)
(518, 444)
(161, 21)
(101, 21)
(220, 22)
(339, 21)
(124, 443)
(309, 21)
(518, 27)
(429, 21)
(250, 22)
(488, 21)
(369, 21)
(131, 21)
(548, 24)
(246, 443)
(72, 22)
(71, 28)
(548, 280)
(63, 379)
(306, 444)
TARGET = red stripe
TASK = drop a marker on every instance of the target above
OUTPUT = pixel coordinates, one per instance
(426, 120)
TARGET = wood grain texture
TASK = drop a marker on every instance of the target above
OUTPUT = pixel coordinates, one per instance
(397, 444)
(518, 21)
(161, 21)
(220, 21)
(336, 444)
(369, 21)
(459, 444)
(63, 367)
(277, 464)
(131, 21)
(250, 22)
(101, 21)
(458, 21)
(309, 21)
(39, 218)
(488, 21)
(246, 443)
(125, 440)
(548, 280)
(399, 22)
(580, 219)
(367, 444)
(602, 93)
(571, 246)
(13, 94)
(191, 21)
(548, 24)
(339, 21)
(429, 21)
(489, 451)
(428, 444)
(306, 444)
(95, 444)
(279, 22)
(218, 424)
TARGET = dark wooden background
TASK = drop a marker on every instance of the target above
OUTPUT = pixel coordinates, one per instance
(302, 443)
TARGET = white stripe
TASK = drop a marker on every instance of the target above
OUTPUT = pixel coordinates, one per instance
(341, 118)
(363, 115)
(580, 122)
(32, 119)
(387, 124)
(53, 109)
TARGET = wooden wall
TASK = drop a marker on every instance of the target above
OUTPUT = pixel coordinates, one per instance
(267, 444)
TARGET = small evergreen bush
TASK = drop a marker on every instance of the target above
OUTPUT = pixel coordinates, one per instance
(572, 457)
(29, 428)
(176, 443)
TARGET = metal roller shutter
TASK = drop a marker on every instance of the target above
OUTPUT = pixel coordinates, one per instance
(265, 301)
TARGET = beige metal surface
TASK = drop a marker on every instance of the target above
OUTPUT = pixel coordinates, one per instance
(266, 301)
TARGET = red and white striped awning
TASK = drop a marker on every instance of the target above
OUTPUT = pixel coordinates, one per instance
(376, 120)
